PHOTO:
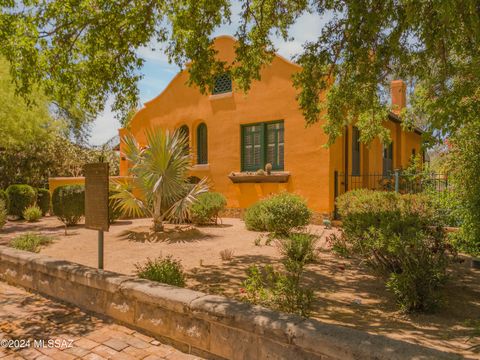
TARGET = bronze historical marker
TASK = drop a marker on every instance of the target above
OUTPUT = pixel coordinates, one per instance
(96, 196)
(96, 202)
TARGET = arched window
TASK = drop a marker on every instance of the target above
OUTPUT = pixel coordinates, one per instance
(185, 132)
(202, 144)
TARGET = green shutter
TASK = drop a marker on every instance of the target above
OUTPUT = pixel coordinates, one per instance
(252, 146)
(262, 143)
(275, 145)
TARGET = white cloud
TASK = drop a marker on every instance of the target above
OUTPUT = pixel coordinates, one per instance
(105, 126)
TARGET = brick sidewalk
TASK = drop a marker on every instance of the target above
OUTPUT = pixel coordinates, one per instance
(28, 317)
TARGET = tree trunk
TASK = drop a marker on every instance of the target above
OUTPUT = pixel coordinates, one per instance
(157, 225)
(157, 214)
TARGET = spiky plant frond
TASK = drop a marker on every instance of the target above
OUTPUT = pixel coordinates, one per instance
(127, 203)
(180, 210)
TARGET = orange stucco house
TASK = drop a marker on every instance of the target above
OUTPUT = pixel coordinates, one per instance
(232, 134)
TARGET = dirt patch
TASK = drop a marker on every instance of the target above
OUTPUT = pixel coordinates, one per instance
(347, 293)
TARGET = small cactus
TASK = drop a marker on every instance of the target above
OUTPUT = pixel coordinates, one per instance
(327, 223)
(268, 168)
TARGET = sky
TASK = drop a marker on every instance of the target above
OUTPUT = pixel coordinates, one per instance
(157, 72)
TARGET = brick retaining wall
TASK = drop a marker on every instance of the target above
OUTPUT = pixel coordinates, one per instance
(207, 325)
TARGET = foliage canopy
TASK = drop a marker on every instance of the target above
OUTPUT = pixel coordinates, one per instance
(83, 51)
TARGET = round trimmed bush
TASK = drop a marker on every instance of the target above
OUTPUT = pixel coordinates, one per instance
(68, 203)
(279, 214)
(43, 200)
(207, 207)
(285, 212)
(4, 197)
(32, 213)
(20, 197)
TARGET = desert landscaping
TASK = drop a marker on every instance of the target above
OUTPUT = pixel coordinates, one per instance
(346, 292)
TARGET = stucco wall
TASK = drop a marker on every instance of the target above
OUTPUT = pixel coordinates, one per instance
(206, 325)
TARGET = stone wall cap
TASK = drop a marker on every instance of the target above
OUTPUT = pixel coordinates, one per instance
(163, 295)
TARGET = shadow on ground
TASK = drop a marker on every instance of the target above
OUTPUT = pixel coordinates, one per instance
(179, 234)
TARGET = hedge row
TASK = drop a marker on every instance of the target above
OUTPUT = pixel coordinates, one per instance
(19, 197)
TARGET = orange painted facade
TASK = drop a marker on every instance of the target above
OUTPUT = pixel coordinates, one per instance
(310, 164)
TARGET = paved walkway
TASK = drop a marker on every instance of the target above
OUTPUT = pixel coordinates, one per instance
(68, 333)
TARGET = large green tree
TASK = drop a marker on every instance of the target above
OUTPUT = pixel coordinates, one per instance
(35, 142)
(82, 51)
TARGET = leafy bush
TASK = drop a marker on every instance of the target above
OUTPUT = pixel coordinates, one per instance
(206, 208)
(3, 213)
(68, 203)
(298, 247)
(285, 212)
(43, 200)
(280, 214)
(165, 270)
(32, 213)
(401, 238)
(4, 197)
(30, 242)
(20, 197)
(254, 217)
(464, 167)
(277, 290)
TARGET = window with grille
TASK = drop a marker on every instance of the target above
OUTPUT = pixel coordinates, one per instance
(202, 144)
(355, 152)
(223, 84)
(262, 143)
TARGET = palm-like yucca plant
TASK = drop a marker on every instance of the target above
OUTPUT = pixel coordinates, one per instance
(160, 173)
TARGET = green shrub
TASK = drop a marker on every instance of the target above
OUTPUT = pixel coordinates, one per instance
(32, 213)
(68, 203)
(285, 212)
(20, 197)
(165, 270)
(30, 242)
(206, 208)
(416, 287)
(254, 217)
(43, 200)
(3, 213)
(279, 214)
(4, 197)
(278, 290)
(401, 237)
(298, 247)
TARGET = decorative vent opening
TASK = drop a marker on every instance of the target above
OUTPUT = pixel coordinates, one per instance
(223, 84)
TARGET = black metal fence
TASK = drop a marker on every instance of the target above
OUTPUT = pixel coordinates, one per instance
(399, 181)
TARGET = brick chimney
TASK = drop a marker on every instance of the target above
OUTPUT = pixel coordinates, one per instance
(398, 94)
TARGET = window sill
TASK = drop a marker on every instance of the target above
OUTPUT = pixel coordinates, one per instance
(245, 177)
(200, 167)
(221, 96)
